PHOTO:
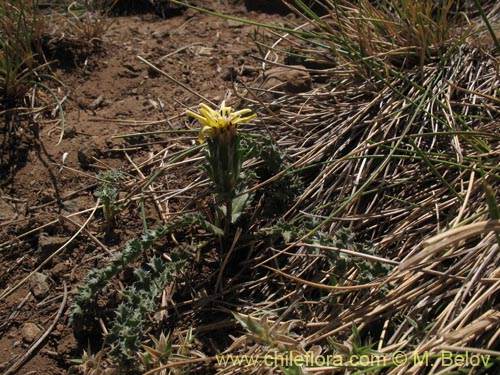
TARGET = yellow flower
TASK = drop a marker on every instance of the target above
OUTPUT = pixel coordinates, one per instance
(222, 123)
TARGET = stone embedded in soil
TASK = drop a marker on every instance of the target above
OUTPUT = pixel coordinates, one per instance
(128, 74)
(87, 154)
(59, 270)
(30, 332)
(48, 244)
(39, 285)
(292, 79)
(97, 103)
(69, 132)
(6, 212)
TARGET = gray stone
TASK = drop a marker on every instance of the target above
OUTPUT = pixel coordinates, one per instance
(6, 211)
(48, 244)
(30, 332)
(59, 270)
(39, 285)
(292, 79)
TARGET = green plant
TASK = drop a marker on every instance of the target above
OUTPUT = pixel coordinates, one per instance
(387, 35)
(277, 338)
(224, 158)
(395, 145)
(107, 193)
(270, 165)
(128, 328)
(157, 354)
(24, 70)
(168, 349)
(90, 364)
(345, 253)
(139, 298)
(98, 279)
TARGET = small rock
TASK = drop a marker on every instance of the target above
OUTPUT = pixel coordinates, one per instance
(30, 332)
(48, 244)
(291, 80)
(128, 74)
(56, 334)
(161, 34)
(59, 270)
(69, 132)
(39, 285)
(153, 104)
(87, 154)
(234, 23)
(72, 205)
(6, 212)
(97, 103)
(203, 51)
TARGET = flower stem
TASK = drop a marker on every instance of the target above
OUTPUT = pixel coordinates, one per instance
(229, 216)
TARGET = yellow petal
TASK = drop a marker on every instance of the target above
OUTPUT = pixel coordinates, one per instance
(197, 116)
(241, 112)
(212, 119)
(205, 131)
(224, 110)
(244, 119)
(223, 119)
(207, 109)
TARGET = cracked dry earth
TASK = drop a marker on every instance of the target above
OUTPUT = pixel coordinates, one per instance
(111, 93)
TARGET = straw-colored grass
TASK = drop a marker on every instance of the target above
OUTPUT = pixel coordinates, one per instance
(20, 35)
(406, 159)
(401, 146)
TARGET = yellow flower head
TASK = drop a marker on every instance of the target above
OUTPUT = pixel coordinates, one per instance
(222, 123)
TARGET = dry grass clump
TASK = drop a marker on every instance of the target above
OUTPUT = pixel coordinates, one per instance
(29, 32)
(32, 35)
(21, 29)
(407, 160)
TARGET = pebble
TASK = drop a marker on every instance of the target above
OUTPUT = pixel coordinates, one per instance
(59, 270)
(6, 212)
(30, 332)
(292, 80)
(39, 285)
(48, 244)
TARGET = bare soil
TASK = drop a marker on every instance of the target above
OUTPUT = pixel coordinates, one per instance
(109, 93)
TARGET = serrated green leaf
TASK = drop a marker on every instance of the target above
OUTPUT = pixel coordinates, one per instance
(239, 205)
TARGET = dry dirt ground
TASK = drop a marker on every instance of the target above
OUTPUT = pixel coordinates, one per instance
(110, 93)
